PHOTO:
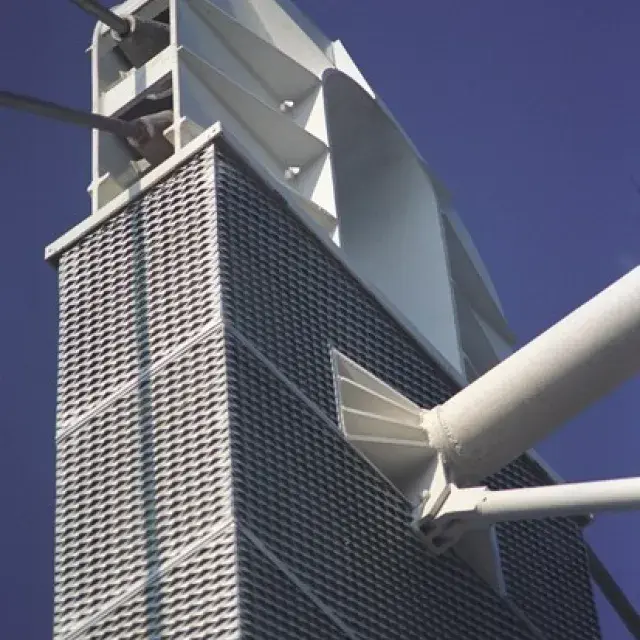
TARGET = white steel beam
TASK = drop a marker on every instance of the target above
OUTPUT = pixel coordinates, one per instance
(543, 385)
(477, 507)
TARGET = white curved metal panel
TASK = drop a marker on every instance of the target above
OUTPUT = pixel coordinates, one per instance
(388, 214)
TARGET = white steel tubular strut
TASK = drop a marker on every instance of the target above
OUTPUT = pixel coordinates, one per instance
(557, 501)
(544, 384)
(448, 511)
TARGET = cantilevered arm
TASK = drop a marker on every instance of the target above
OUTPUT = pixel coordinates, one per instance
(119, 25)
(540, 387)
(448, 512)
(47, 109)
(479, 507)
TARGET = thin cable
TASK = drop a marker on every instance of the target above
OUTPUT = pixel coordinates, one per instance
(47, 109)
(104, 15)
(614, 594)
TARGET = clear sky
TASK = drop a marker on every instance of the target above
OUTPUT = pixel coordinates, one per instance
(529, 111)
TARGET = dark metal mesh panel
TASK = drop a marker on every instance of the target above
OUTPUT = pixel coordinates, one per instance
(275, 609)
(545, 565)
(326, 514)
(313, 500)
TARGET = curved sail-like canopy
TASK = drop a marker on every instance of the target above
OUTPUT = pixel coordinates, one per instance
(388, 213)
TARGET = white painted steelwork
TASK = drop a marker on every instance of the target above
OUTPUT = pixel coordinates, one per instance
(298, 105)
(558, 501)
(541, 386)
(509, 409)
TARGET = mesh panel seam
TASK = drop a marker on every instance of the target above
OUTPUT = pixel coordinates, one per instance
(333, 427)
(163, 361)
(298, 582)
(169, 564)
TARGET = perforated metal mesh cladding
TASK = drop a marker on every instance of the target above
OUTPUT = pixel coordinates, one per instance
(136, 287)
(326, 514)
(196, 599)
(308, 496)
(145, 540)
(145, 544)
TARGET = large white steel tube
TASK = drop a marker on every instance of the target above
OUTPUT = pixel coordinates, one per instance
(558, 500)
(541, 386)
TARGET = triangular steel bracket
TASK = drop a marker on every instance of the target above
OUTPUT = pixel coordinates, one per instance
(386, 428)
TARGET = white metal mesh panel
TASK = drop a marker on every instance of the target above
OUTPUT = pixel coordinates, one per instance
(143, 464)
(190, 606)
(136, 287)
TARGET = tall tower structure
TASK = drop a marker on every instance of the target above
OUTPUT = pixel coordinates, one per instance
(290, 267)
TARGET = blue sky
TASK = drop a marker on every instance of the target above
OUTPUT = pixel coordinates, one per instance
(528, 111)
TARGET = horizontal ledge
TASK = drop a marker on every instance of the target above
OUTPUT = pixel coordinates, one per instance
(120, 96)
(354, 395)
(74, 235)
(410, 444)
